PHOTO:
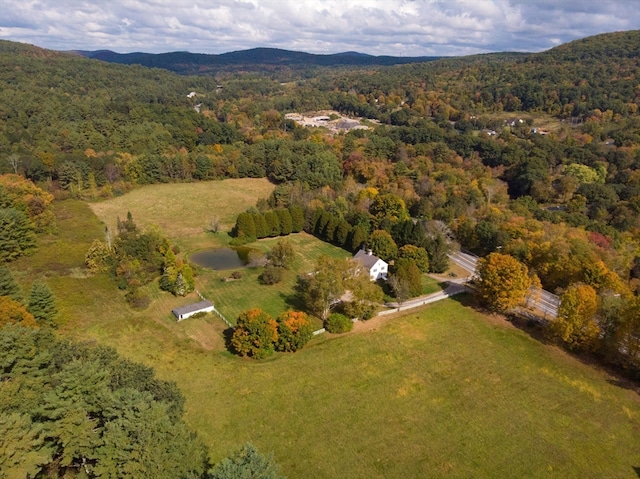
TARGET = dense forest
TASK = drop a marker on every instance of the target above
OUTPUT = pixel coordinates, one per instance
(535, 156)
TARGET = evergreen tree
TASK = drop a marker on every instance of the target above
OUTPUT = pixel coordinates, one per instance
(358, 237)
(16, 234)
(78, 411)
(286, 222)
(262, 229)
(245, 227)
(8, 286)
(273, 223)
(297, 218)
(341, 233)
(42, 304)
(247, 463)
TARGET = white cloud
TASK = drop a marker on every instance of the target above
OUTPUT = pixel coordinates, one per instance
(407, 27)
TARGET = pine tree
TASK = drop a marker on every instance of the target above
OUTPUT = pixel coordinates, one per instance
(16, 234)
(42, 304)
(246, 463)
(297, 218)
(8, 286)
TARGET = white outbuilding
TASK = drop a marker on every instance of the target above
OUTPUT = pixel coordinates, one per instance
(185, 312)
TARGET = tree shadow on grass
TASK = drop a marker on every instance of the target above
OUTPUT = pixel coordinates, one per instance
(637, 470)
(628, 384)
(294, 300)
(227, 334)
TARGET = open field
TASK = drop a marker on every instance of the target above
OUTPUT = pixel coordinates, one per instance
(443, 391)
(440, 392)
(183, 211)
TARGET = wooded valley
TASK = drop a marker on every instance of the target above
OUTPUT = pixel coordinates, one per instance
(530, 159)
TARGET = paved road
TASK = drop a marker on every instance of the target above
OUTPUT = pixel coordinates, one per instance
(465, 260)
(455, 287)
(544, 301)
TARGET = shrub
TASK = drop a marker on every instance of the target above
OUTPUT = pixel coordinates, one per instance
(272, 274)
(256, 258)
(236, 275)
(338, 323)
(137, 299)
(360, 310)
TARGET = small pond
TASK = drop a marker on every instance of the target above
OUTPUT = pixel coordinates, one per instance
(221, 258)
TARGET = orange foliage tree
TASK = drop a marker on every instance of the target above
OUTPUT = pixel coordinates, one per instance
(23, 195)
(13, 312)
(294, 331)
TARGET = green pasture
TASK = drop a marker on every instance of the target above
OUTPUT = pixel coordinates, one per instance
(441, 392)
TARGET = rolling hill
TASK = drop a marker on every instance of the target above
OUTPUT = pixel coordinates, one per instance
(253, 59)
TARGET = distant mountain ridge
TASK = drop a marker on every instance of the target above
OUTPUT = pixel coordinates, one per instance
(194, 63)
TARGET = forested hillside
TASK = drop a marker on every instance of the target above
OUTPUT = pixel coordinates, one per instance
(534, 155)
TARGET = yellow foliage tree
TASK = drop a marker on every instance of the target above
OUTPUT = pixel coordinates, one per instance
(576, 322)
(502, 282)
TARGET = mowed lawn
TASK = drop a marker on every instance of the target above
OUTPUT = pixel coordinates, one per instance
(233, 297)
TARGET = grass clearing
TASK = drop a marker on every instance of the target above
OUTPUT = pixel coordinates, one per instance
(183, 211)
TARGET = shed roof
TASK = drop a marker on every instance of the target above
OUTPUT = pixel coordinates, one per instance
(190, 308)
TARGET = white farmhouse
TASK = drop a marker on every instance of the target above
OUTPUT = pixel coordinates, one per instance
(376, 267)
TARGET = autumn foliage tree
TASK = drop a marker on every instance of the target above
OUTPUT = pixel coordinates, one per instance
(13, 312)
(382, 245)
(415, 254)
(502, 281)
(255, 334)
(294, 331)
(576, 323)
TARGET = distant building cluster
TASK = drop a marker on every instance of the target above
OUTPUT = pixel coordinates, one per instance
(332, 121)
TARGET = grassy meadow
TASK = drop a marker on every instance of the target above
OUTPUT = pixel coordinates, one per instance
(183, 211)
(443, 391)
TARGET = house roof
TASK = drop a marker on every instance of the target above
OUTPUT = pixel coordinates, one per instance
(190, 308)
(368, 260)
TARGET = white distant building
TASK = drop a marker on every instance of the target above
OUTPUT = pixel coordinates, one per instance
(376, 267)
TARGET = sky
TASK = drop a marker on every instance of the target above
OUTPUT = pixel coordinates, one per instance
(376, 27)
